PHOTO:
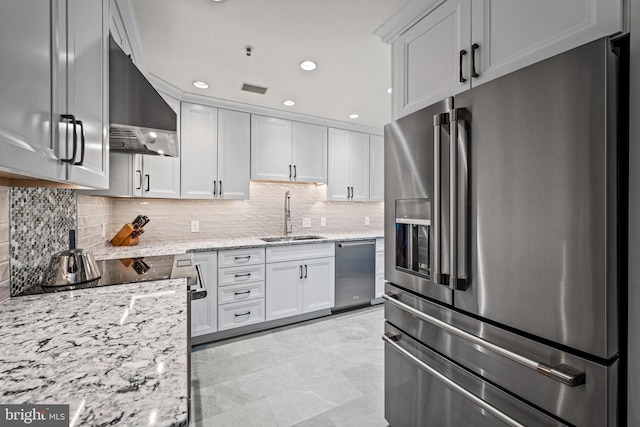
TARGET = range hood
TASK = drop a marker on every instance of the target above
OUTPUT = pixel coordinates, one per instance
(140, 120)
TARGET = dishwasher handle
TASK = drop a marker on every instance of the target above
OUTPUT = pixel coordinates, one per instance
(351, 244)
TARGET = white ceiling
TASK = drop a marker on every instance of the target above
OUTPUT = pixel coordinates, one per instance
(190, 40)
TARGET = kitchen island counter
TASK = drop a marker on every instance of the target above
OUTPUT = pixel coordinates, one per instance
(171, 248)
(116, 355)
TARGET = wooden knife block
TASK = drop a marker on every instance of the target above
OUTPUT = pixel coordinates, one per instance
(123, 237)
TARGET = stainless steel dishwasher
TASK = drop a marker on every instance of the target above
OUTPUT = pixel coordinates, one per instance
(355, 273)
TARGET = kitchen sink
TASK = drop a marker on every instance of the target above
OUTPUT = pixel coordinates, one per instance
(290, 238)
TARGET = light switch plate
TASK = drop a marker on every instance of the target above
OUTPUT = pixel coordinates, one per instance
(323, 222)
(306, 222)
(103, 230)
(195, 226)
(366, 220)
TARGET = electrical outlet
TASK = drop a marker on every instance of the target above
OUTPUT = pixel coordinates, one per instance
(195, 226)
(306, 222)
(103, 230)
(323, 222)
(366, 220)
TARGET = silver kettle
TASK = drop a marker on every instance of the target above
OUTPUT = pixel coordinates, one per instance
(71, 267)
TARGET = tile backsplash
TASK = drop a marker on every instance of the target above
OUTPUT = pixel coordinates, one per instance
(262, 215)
(40, 220)
(4, 243)
(35, 222)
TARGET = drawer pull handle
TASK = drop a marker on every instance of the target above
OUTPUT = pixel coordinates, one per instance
(247, 257)
(243, 275)
(561, 373)
(242, 314)
(242, 293)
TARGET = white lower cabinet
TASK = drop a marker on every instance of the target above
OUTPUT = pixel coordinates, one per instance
(204, 312)
(302, 281)
(241, 288)
(236, 314)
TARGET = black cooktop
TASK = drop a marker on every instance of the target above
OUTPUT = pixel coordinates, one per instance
(131, 270)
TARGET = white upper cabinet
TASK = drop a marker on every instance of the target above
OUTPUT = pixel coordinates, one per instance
(428, 58)
(376, 168)
(282, 150)
(234, 154)
(348, 166)
(199, 154)
(443, 47)
(87, 90)
(309, 151)
(215, 153)
(52, 91)
(270, 149)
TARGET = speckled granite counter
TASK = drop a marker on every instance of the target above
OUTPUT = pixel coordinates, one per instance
(168, 248)
(116, 355)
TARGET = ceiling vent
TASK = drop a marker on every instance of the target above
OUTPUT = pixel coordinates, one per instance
(254, 88)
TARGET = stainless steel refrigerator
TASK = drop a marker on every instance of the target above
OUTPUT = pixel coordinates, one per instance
(504, 238)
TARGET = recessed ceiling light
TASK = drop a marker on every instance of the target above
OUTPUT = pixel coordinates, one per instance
(389, 90)
(354, 116)
(200, 85)
(289, 102)
(308, 65)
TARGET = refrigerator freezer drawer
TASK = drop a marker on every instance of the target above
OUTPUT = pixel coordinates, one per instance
(574, 389)
(423, 388)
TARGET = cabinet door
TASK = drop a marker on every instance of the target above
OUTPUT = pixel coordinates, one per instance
(283, 290)
(339, 164)
(376, 168)
(271, 149)
(512, 34)
(204, 315)
(427, 58)
(318, 284)
(309, 152)
(234, 154)
(198, 154)
(87, 90)
(26, 143)
(161, 177)
(359, 166)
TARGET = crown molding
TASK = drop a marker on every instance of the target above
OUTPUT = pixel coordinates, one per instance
(405, 18)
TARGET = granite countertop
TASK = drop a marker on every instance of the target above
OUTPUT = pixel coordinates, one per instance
(116, 355)
(169, 248)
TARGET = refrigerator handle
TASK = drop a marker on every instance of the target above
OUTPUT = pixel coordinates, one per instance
(458, 199)
(562, 373)
(437, 275)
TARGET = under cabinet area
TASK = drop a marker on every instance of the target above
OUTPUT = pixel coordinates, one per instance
(453, 45)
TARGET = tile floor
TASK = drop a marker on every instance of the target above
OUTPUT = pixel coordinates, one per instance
(324, 373)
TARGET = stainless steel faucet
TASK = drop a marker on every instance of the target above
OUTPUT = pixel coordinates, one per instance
(288, 225)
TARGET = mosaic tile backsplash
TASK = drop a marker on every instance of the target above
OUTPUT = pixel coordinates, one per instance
(40, 220)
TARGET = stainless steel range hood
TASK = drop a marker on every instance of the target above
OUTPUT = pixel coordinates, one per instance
(141, 121)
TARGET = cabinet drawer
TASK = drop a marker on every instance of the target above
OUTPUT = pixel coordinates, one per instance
(379, 262)
(241, 292)
(298, 252)
(237, 257)
(238, 314)
(239, 275)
